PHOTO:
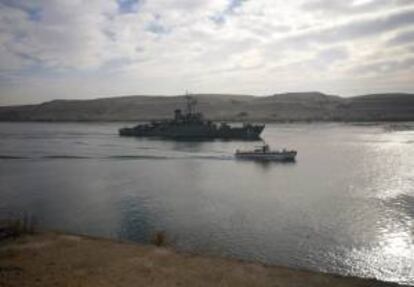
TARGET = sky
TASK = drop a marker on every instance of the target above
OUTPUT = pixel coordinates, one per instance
(73, 49)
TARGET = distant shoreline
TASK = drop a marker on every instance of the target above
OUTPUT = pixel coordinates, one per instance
(279, 108)
(132, 122)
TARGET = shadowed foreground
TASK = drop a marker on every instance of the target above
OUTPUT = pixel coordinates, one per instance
(64, 260)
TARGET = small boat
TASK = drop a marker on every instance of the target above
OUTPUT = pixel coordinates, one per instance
(264, 153)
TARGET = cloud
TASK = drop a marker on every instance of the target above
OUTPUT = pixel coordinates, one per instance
(367, 27)
(168, 46)
(61, 38)
(405, 37)
(332, 55)
(385, 67)
(339, 7)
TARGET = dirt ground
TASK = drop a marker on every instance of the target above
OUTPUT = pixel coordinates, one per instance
(52, 259)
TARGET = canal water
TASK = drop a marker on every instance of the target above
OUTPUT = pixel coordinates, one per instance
(345, 206)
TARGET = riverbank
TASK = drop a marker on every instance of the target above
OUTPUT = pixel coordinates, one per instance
(53, 259)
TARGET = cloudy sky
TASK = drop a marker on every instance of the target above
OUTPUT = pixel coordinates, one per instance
(93, 48)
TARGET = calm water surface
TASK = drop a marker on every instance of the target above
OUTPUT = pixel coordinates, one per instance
(346, 206)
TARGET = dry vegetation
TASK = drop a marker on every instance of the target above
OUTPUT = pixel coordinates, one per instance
(17, 226)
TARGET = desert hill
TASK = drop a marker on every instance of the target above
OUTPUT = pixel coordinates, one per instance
(308, 106)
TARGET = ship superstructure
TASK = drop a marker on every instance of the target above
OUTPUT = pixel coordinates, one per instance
(192, 125)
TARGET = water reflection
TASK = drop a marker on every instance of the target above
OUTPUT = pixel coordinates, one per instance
(266, 166)
(187, 146)
(134, 223)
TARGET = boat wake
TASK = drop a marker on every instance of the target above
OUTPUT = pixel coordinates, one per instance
(64, 157)
(132, 157)
(12, 157)
(118, 157)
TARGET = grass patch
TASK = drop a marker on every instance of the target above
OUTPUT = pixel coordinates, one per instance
(159, 239)
(15, 227)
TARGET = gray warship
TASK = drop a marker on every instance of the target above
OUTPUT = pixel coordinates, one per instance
(192, 126)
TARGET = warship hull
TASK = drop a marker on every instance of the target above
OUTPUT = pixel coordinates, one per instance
(200, 132)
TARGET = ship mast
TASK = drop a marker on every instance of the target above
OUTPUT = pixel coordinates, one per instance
(191, 103)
